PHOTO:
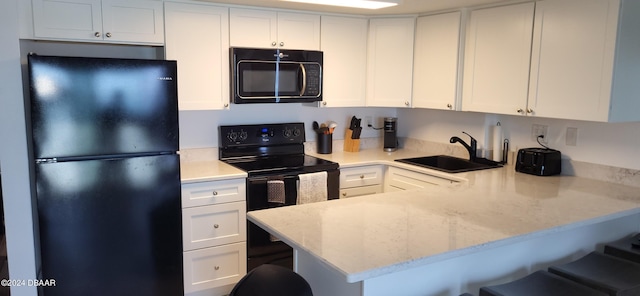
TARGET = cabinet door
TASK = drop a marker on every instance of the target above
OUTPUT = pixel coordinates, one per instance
(497, 56)
(435, 68)
(360, 176)
(197, 36)
(344, 42)
(360, 191)
(215, 192)
(298, 31)
(390, 62)
(139, 21)
(253, 28)
(572, 62)
(401, 179)
(214, 225)
(210, 268)
(67, 19)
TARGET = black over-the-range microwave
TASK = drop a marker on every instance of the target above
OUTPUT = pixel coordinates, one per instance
(275, 75)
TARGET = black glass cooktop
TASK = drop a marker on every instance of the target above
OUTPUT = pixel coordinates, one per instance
(282, 164)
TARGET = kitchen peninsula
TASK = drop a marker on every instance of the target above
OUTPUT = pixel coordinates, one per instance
(496, 226)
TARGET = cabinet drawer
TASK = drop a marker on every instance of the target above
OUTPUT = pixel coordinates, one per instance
(214, 225)
(216, 192)
(214, 267)
(358, 191)
(361, 176)
(400, 179)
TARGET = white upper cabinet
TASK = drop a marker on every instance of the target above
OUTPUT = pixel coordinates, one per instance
(583, 67)
(497, 57)
(271, 29)
(139, 21)
(390, 62)
(435, 65)
(197, 36)
(344, 44)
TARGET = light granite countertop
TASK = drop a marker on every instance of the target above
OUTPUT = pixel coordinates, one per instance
(368, 236)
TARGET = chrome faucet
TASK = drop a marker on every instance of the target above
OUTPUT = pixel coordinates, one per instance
(471, 148)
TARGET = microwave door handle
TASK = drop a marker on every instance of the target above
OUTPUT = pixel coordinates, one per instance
(303, 73)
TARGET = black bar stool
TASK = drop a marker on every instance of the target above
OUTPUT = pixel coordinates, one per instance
(270, 280)
(603, 272)
(627, 248)
(540, 283)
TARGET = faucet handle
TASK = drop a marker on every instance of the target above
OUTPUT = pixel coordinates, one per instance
(472, 138)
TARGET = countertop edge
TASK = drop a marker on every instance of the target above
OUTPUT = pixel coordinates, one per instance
(357, 277)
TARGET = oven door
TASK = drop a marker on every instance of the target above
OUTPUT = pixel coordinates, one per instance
(261, 246)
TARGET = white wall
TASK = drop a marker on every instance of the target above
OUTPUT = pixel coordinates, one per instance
(13, 155)
(612, 144)
(199, 129)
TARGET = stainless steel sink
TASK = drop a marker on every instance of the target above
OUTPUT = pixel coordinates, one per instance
(451, 164)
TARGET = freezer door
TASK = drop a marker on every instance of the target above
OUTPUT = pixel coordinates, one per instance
(95, 106)
(111, 227)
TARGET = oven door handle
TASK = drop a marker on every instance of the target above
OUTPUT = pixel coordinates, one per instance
(264, 179)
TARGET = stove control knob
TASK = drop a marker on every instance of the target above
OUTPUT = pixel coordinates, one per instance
(287, 133)
(232, 136)
(296, 132)
(243, 135)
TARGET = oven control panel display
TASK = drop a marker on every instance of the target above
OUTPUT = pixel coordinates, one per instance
(263, 134)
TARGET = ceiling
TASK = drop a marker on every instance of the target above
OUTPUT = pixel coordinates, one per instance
(405, 7)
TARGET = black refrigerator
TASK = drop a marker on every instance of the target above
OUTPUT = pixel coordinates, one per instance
(104, 141)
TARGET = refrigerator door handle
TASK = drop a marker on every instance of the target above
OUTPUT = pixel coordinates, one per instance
(46, 160)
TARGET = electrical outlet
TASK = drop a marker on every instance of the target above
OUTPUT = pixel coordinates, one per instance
(368, 120)
(539, 130)
(571, 137)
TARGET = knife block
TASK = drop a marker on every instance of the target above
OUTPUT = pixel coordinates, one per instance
(351, 145)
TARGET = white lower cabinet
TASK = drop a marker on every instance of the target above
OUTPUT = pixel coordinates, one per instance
(215, 267)
(214, 235)
(358, 191)
(214, 225)
(400, 179)
(362, 180)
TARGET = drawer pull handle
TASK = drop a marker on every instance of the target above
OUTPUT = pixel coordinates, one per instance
(216, 267)
(215, 193)
(216, 226)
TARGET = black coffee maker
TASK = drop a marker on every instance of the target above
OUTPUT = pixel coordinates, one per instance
(390, 134)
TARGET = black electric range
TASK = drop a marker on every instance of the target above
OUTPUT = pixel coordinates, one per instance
(267, 152)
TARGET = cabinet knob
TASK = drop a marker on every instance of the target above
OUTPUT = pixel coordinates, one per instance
(273, 43)
(216, 226)
(529, 110)
(406, 103)
(216, 267)
(520, 111)
(449, 106)
(215, 193)
(97, 34)
(108, 35)
(344, 194)
(324, 103)
(281, 43)
(226, 105)
(361, 176)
